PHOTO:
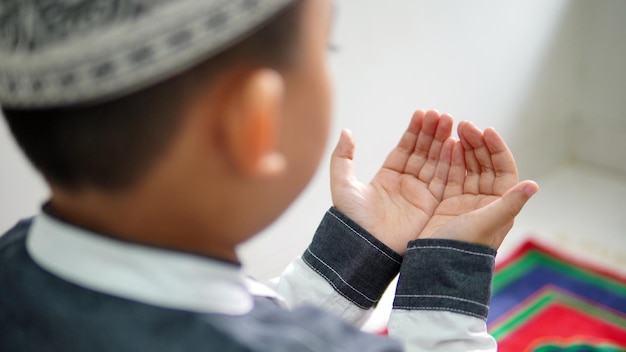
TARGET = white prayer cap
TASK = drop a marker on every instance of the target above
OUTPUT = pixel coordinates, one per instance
(64, 52)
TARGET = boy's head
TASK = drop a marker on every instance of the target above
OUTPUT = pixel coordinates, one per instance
(222, 137)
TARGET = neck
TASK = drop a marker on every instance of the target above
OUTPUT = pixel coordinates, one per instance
(149, 218)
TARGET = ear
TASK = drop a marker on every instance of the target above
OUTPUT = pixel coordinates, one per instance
(253, 122)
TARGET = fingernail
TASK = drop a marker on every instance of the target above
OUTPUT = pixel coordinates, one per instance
(530, 189)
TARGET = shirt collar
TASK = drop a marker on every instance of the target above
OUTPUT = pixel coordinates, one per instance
(150, 275)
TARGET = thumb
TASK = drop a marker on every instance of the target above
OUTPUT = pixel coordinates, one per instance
(503, 211)
(341, 164)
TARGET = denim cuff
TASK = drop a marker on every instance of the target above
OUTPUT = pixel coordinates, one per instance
(355, 263)
(446, 275)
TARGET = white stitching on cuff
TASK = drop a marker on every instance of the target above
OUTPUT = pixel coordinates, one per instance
(363, 237)
(442, 309)
(451, 248)
(340, 278)
(446, 297)
(331, 283)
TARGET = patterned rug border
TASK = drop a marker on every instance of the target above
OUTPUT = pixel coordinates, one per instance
(542, 299)
(561, 254)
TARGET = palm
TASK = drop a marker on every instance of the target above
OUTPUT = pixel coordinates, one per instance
(432, 186)
(453, 207)
(481, 172)
(398, 203)
(393, 204)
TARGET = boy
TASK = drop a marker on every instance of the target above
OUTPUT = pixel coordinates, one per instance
(170, 132)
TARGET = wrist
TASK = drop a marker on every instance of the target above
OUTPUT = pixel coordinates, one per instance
(365, 224)
(351, 260)
(446, 275)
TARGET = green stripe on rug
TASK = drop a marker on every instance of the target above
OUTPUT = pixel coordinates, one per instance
(533, 258)
(577, 347)
(545, 298)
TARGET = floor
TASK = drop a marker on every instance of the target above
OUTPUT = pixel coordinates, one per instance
(580, 209)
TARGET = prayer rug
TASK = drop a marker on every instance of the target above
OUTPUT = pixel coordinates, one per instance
(547, 301)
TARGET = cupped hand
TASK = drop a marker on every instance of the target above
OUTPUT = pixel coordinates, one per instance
(483, 194)
(400, 200)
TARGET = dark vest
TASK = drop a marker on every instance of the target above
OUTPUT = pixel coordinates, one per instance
(41, 312)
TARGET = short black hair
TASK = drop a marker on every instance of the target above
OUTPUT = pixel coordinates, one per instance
(110, 145)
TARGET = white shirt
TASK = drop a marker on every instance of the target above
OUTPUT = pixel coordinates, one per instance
(178, 280)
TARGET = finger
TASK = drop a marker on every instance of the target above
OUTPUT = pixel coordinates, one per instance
(502, 211)
(487, 175)
(456, 174)
(472, 166)
(422, 146)
(442, 133)
(341, 161)
(506, 174)
(399, 156)
(440, 178)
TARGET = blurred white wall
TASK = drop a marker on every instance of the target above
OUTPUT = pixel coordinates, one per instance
(535, 70)
(22, 190)
(540, 72)
(601, 97)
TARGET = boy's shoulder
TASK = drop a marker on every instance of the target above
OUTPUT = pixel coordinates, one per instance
(15, 236)
(41, 311)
